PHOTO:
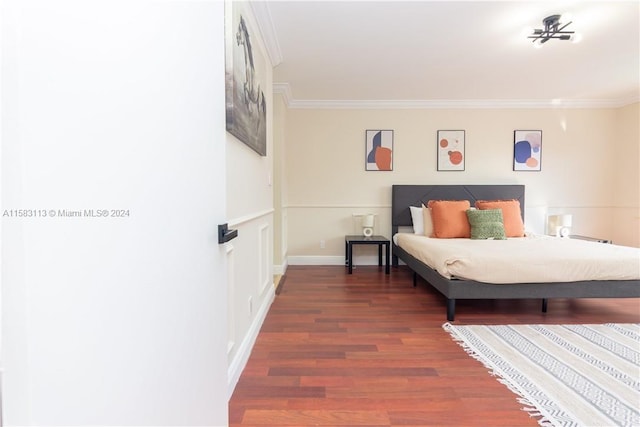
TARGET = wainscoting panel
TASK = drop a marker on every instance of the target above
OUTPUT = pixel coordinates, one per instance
(264, 245)
(231, 268)
(250, 284)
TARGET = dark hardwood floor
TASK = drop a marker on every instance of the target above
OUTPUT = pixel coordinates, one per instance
(368, 349)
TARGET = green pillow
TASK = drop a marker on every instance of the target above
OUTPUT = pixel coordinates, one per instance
(486, 224)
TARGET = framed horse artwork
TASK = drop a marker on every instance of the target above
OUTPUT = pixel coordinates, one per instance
(245, 78)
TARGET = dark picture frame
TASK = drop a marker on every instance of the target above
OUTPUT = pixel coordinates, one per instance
(245, 79)
(527, 150)
(451, 146)
(378, 150)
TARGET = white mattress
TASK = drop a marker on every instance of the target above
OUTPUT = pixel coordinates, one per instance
(533, 259)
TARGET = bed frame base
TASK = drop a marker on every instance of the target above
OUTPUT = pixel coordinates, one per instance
(404, 196)
(468, 289)
(451, 305)
(451, 309)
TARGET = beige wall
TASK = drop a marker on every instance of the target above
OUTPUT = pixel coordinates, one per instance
(626, 184)
(327, 183)
(280, 185)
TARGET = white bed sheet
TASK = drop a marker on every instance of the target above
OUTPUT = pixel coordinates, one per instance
(532, 259)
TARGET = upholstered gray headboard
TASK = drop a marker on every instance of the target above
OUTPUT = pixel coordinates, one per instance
(403, 196)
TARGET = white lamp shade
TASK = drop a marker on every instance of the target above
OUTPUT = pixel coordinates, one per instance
(367, 220)
(565, 220)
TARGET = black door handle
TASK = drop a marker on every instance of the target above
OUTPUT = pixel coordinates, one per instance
(224, 234)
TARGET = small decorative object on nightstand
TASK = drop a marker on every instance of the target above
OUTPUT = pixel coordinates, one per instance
(381, 241)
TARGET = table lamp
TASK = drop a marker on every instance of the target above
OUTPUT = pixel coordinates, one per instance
(367, 225)
(559, 225)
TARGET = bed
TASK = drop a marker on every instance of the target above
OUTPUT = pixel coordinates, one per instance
(404, 196)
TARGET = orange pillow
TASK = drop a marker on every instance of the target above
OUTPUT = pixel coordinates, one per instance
(450, 218)
(511, 215)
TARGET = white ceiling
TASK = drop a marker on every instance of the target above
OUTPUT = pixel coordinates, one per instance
(450, 53)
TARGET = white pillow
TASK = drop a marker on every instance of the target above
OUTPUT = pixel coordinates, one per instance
(417, 220)
(421, 219)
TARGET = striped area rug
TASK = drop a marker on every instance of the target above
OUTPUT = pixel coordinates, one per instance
(568, 375)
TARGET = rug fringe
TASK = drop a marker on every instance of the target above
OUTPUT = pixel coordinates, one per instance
(528, 405)
(533, 411)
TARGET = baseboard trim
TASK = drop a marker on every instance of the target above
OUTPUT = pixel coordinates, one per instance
(315, 260)
(244, 351)
(281, 269)
(331, 260)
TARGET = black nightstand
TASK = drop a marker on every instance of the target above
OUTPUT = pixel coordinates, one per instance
(590, 239)
(381, 241)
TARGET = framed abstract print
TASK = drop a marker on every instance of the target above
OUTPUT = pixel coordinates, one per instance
(451, 150)
(527, 150)
(379, 150)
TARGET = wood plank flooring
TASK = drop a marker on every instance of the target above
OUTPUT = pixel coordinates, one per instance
(368, 349)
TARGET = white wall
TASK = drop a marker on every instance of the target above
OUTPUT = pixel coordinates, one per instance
(327, 182)
(250, 210)
(113, 321)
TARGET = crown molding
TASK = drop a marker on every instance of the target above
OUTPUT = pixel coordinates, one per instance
(267, 30)
(634, 99)
(285, 90)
